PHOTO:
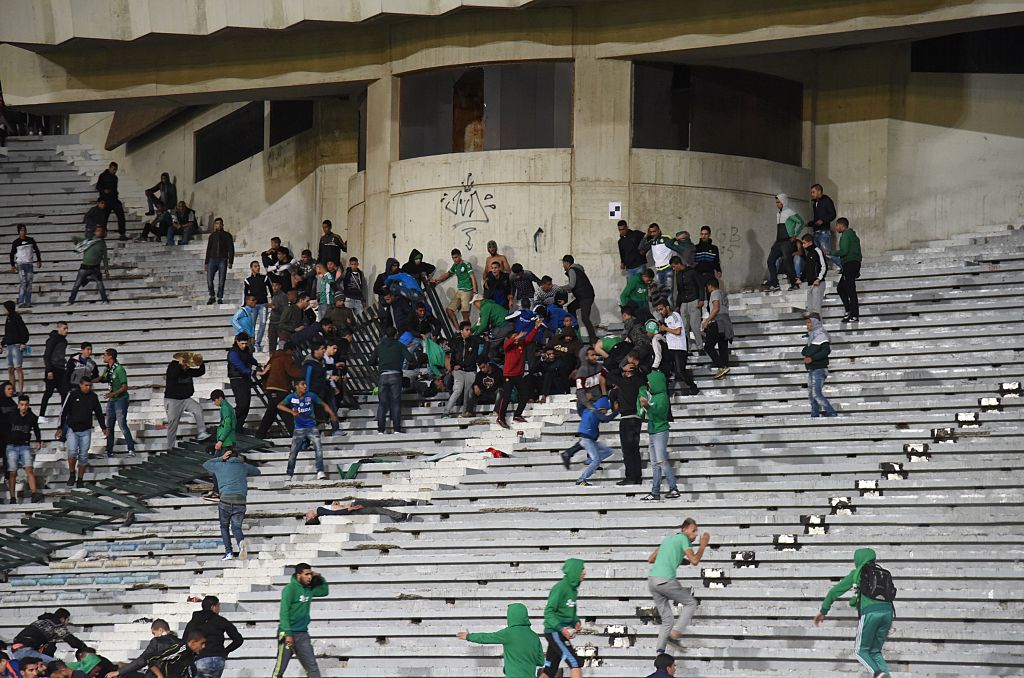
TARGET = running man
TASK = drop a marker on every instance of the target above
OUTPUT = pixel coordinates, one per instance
(666, 589)
(561, 621)
(293, 630)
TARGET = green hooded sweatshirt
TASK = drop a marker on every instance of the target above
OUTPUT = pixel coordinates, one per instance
(561, 608)
(861, 557)
(635, 291)
(521, 646)
(656, 394)
(492, 315)
(226, 427)
(86, 665)
(295, 602)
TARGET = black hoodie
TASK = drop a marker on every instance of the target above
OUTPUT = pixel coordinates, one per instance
(214, 627)
(44, 633)
(54, 355)
(15, 330)
(157, 646)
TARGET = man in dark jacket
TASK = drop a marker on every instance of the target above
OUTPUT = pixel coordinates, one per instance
(96, 216)
(220, 256)
(706, 256)
(178, 393)
(242, 370)
(463, 357)
(689, 298)
(583, 294)
(76, 428)
(163, 640)
(665, 666)
(331, 245)
(213, 627)
(40, 638)
(631, 259)
(168, 193)
(395, 311)
(390, 355)
(15, 340)
(824, 214)
(625, 388)
(179, 661)
(54, 360)
(106, 185)
(815, 269)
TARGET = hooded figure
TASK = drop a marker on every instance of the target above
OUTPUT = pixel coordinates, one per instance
(788, 222)
(416, 266)
(520, 645)
(214, 627)
(379, 284)
(560, 611)
(815, 355)
(656, 395)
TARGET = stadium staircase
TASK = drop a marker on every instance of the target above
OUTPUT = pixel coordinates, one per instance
(924, 466)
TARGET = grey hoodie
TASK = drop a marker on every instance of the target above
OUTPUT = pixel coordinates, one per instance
(588, 379)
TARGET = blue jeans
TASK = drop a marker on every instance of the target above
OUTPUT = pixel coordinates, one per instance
(389, 401)
(815, 382)
(25, 273)
(596, 452)
(231, 516)
(78, 445)
(261, 323)
(218, 267)
(356, 305)
(184, 235)
(299, 438)
(630, 272)
(118, 410)
(209, 667)
(823, 240)
(660, 463)
(23, 652)
(665, 277)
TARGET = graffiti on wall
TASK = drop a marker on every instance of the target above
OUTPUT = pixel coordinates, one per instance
(468, 207)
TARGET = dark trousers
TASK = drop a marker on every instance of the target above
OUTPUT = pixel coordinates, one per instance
(584, 306)
(241, 389)
(274, 399)
(629, 438)
(85, 275)
(556, 380)
(114, 205)
(522, 388)
(847, 287)
(218, 268)
(389, 401)
(716, 345)
(272, 336)
(675, 362)
(782, 249)
(58, 383)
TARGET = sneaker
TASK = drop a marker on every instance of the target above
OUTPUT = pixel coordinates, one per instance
(583, 483)
(131, 453)
(80, 483)
(291, 478)
(227, 556)
(205, 435)
(243, 549)
(13, 500)
(566, 459)
(721, 373)
(220, 301)
(501, 422)
(320, 475)
(71, 479)
(651, 497)
(110, 455)
(846, 318)
(853, 319)
(211, 497)
(468, 414)
(792, 287)
(519, 420)
(627, 481)
(774, 288)
(210, 300)
(37, 497)
(672, 494)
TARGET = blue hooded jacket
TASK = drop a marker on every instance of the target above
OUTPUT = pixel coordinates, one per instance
(592, 418)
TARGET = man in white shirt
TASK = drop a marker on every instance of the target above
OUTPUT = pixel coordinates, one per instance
(674, 358)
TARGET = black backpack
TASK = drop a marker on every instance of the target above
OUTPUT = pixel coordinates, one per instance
(876, 583)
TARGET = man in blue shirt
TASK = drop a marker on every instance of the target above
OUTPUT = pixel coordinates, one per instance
(301, 404)
(232, 476)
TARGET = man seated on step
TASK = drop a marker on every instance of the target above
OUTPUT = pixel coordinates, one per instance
(183, 224)
(356, 506)
(487, 384)
(159, 226)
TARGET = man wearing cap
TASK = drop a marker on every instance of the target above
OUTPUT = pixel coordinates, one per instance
(664, 665)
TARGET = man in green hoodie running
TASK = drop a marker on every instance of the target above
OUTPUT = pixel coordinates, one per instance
(293, 629)
(520, 644)
(875, 616)
(561, 621)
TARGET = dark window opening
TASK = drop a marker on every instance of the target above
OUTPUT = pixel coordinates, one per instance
(289, 118)
(717, 110)
(486, 108)
(998, 50)
(230, 140)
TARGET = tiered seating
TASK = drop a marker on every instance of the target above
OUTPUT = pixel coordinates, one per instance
(939, 331)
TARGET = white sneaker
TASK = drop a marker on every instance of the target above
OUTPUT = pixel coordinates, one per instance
(320, 475)
(291, 478)
(243, 549)
(227, 556)
(205, 435)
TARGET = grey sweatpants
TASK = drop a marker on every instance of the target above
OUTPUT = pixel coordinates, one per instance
(665, 592)
(303, 649)
(174, 409)
(815, 297)
(690, 311)
(462, 390)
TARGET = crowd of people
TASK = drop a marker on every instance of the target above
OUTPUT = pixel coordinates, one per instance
(532, 338)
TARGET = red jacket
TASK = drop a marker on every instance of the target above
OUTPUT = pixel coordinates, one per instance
(514, 350)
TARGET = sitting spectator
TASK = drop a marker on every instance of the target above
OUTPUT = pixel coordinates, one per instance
(29, 667)
(159, 226)
(487, 384)
(787, 230)
(357, 506)
(269, 256)
(166, 189)
(39, 639)
(183, 224)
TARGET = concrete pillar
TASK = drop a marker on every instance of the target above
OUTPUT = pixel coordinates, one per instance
(600, 173)
(374, 242)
